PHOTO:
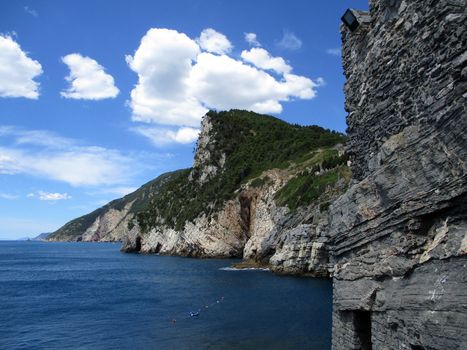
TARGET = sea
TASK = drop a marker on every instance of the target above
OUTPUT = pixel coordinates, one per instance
(92, 296)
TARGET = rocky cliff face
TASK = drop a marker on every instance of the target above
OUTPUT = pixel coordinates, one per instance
(207, 163)
(259, 189)
(253, 226)
(111, 222)
(395, 241)
(253, 223)
(398, 236)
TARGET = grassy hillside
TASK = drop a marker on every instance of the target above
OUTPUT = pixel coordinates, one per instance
(317, 171)
(140, 197)
(252, 143)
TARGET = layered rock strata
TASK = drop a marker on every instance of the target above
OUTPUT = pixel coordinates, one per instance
(398, 236)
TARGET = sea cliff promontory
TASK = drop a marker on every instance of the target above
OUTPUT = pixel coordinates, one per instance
(382, 210)
(259, 189)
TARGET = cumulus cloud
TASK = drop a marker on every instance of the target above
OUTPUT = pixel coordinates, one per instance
(251, 39)
(62, 159)
(163, 62)
(215, 42)
(179, 79)
(17, 71)
(223, 83)
(290, 41)
(87, 79)
(164, 136)
(263, 59)
(49, 196)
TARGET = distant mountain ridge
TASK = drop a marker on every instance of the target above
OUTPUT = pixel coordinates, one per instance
(41, 237)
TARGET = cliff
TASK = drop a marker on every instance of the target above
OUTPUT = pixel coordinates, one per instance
(259, 189)
(398, 236)
(110, 222)
(392, 233)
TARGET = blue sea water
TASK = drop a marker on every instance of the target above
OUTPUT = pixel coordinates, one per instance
(91, 296)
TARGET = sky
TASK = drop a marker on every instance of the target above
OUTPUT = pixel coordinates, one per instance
(99, 97)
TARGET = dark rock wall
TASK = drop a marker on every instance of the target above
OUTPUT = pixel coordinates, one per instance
(403, 69)
(399, 234)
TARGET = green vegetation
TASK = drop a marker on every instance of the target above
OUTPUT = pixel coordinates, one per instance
(140, 197)
(307, 187)
(252, 143)
(77, 226)
(320, 170)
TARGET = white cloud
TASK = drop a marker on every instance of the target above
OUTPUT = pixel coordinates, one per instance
(214, 42)
(251, 39)
(87, 79)
(263, 59)
(17, 71)
(178, 82)
(41, 138)
(49, 196)
(224, 83)
(31, 11)
(65, 160)
(86, 166)
(290, 41)
(163, 62)
(7, 165)
(164, 136)
(8, 196)
(334, 51)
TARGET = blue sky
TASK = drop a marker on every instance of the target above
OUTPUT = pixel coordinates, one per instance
(99, 97)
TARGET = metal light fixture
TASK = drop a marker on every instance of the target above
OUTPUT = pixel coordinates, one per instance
(350, 20)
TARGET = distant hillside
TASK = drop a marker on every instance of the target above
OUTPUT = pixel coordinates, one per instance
(41, 237)
(258, 185)
(82, 227)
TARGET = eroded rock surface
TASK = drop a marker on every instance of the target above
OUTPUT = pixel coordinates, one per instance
(398, 235)
(252, 226)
